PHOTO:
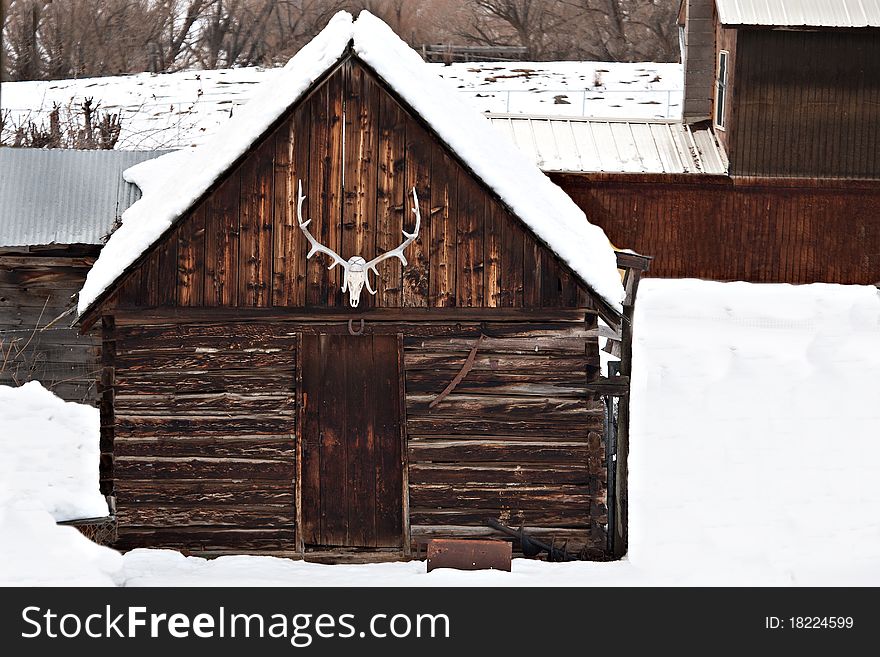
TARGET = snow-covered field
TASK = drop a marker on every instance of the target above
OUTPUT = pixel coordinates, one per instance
(175, 110)
(755, 459)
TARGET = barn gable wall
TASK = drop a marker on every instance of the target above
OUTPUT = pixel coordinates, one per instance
(241, 246)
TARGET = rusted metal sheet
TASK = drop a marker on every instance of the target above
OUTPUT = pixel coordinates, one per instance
(469, 554)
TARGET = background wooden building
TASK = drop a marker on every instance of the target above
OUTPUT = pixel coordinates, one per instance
(57, 207)
(791, 91)
(239, 413)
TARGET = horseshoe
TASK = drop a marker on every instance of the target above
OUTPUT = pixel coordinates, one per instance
(351, 330)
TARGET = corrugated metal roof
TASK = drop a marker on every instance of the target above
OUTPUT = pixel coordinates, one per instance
(796, 13)
(613, 146)
(56, 196)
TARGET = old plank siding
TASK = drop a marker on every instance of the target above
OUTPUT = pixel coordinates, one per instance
(530, 458)
(762, 231)
(34, 291)
(256, 204)
(831, 77)
(194, 437)
(391, 193)
(358, 153)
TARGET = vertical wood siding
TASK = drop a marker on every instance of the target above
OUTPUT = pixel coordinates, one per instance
(767, 232)
(358, 199)
(808, 104)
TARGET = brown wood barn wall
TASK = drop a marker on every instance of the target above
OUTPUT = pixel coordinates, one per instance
(763, 231)
(807, 104)
(35, 288)
(200, 399)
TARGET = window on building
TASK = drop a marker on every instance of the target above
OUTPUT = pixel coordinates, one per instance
(721, 90)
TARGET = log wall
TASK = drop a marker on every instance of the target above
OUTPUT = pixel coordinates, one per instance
(34, 290)
(203, 428)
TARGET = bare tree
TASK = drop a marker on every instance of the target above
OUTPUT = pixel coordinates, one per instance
(605, 30)
(48, 39)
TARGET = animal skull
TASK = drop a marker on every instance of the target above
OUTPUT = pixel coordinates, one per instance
(357, 270)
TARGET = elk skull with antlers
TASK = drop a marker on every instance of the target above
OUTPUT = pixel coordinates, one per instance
(357, 269)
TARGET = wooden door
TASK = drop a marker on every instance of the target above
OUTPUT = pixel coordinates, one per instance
(351, 488)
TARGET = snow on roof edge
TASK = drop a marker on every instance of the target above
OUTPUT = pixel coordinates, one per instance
(545, 208)
(147, 220)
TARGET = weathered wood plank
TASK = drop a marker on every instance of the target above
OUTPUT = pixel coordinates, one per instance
(391, 192)
(238, 446)
(227, 516)
(141, 425)
(497, 362)
(223, 403)
(230, 381)
(416, 274)
(495, 474)
(137, 467)
(470, 252)
(360, 162)
(255, 226)
(508, 384)
(222, 243)
(566, 518)
(191, 258)
(441, 231)
(519, 497)
(480, 451)
(434, 425)
(323, 204)
(203, 491)
(200, 538)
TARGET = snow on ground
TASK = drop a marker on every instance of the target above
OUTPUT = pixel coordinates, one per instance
(755, 455)
(49, 472)
(50, 453)
(174, 110)
(755, 460)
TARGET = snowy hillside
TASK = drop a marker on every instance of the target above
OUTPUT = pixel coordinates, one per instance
(754, 459)
(173, 110)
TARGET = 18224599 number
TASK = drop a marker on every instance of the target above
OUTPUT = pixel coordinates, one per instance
(820, 622)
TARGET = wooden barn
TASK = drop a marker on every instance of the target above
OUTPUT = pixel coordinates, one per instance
(355, 320)
(48, 241)
(791, 91)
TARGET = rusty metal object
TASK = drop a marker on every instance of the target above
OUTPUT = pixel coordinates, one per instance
(469, 554)
(468, 364)
(532, 547)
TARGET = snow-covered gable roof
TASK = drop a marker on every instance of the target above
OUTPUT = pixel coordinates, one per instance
(544, 207)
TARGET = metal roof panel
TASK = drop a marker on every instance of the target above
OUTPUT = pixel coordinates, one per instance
(55, 196)
(614, 146)
(800, 13)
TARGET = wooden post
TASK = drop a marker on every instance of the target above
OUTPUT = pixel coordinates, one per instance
(635, 265)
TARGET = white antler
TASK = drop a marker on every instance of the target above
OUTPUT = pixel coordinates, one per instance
(397, 252)
(317, 247)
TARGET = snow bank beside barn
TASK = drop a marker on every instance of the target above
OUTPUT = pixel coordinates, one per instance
(755, 435)
(50, 453)
(49, 472)
(542, 205)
